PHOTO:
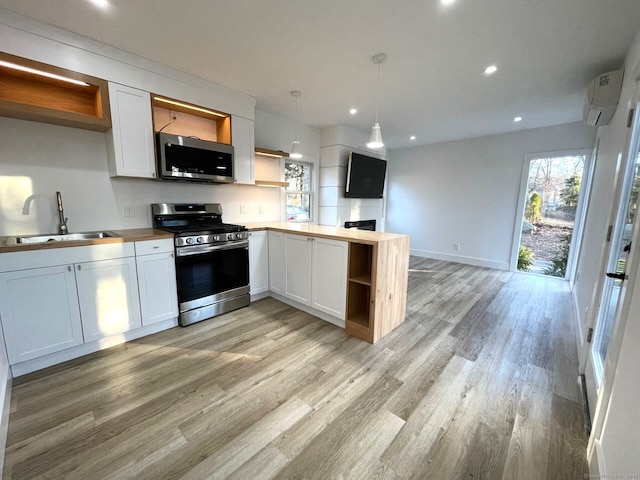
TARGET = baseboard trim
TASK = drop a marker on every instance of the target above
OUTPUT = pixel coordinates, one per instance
(312, 311)
(29, 366)
(477, 262)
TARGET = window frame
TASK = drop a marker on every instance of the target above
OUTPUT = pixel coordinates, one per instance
(309, 192)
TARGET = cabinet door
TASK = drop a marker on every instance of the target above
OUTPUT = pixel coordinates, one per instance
(108, 297)
(243, 151)
(130, 141)
(157, 286)
(258, 262)
(40, 313)
(329, 279)
(276, 262)
(297, 250)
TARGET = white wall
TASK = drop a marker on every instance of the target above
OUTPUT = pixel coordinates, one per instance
(614, 448)
(466, 192)
(335, 144)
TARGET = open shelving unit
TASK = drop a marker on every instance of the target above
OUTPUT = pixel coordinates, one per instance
(268, 167)
(186, 119)
(360, 283)
(35, 91)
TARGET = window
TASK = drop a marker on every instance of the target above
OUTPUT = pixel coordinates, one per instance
(298, 192)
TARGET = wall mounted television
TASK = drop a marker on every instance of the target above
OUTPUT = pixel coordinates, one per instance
(365, 176)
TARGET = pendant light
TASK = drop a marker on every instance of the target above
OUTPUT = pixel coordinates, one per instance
(295, 148)
(375, 141)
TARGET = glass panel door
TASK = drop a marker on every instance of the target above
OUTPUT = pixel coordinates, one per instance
(616, 267)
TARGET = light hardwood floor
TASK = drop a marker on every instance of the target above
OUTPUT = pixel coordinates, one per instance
(479, 382)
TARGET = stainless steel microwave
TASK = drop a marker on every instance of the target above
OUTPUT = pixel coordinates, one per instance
(192, 159)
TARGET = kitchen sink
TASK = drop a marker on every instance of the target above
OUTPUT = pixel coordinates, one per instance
(54, 237)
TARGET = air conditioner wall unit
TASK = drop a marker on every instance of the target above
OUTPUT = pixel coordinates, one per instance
(603, 94)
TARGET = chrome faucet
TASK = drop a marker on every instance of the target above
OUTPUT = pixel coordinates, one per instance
(63, 229)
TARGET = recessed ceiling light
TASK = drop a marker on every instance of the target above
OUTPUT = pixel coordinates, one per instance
(446, 3)
(517, 119)
(353, 111)
(104, 4)
(490, 70)
(412, 137)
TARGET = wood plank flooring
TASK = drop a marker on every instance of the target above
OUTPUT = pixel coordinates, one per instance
(479, 382)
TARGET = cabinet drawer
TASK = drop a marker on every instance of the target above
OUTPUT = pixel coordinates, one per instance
(149, 247)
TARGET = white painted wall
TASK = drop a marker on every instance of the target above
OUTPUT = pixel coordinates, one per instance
(614, 449)
(466, 192)
(335, 144)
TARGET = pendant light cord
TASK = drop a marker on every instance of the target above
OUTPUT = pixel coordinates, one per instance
(378, 92)
(296, 124)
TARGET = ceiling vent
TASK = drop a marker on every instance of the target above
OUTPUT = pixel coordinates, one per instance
(603, 94)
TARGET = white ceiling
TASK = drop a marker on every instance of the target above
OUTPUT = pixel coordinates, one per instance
(432, 84)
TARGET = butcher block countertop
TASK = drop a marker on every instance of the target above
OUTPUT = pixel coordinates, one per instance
(129, 235)
(335, 233)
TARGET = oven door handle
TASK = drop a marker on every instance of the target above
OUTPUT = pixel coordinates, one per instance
(200, 249)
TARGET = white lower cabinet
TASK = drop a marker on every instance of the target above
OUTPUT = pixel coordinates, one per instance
(329, 276)
(157, 280)
(40, 312)
(316, 273)
(108, 297)
(276, 262)
(297, 258)
(258, 262)
(55, 299)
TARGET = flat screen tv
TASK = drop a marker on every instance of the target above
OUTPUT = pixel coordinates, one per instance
(365, 176)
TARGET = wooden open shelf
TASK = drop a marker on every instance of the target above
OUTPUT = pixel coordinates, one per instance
(192, 120)
(359, 290)
(33, 96)
(268, 167)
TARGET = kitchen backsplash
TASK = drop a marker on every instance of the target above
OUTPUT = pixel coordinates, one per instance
(38, 159)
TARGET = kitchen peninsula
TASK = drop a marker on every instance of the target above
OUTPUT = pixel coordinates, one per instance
(357, 276)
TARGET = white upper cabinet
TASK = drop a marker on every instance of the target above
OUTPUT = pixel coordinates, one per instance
(130, 142)
(242, 136)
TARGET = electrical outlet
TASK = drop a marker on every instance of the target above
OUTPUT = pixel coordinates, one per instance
(260, 208)
(243, 208)
(456, 247)
(129, 211)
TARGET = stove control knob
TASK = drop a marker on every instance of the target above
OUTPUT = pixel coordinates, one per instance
(199, 239)
(230, 236)
(238, 235)
(189, 240)
(216, 238)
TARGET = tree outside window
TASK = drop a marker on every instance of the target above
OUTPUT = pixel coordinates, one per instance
(298, 192)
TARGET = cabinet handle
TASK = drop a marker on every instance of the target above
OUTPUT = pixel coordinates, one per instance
(79, 267)
(172, 255)
(156, 246)
(68, 268)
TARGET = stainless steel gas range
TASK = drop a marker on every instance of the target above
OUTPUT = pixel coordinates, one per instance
(212, 259)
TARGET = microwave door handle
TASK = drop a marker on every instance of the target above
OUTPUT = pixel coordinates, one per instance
(197, 250)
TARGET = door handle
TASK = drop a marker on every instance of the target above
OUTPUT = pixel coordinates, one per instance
(627, 248)
(618, 276)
